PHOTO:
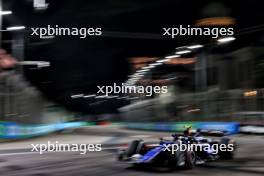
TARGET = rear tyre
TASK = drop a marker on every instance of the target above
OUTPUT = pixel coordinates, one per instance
(182, 159)
(189, 159)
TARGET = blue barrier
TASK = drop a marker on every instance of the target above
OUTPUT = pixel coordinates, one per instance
(227, 127)
(11, 130)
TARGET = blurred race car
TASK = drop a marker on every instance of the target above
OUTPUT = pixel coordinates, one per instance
(163, 153)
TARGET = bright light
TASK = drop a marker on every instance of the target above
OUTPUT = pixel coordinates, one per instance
(102, 96)
(144, 70)
(37, 63)
(139, 74)
(43, 65)
(172, 56)
(89, 96)
(163, 60)
(40, 4)
(136, 77)
(226, 39)
(195, 46)
(148, 67)
(156, 64)
(8, 12)
(183, 52)
(77, 96)
(14, 28)
(250, 93)
(194, 110)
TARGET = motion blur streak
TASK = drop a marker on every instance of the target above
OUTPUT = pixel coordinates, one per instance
(60, 60)
(249, 162)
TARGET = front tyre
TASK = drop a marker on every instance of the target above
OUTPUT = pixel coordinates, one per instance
(133, 148)
(121, 155)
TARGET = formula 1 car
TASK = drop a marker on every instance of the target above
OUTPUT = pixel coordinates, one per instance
(163, 153)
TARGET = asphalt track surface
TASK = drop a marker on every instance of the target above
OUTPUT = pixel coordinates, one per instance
(20, 162)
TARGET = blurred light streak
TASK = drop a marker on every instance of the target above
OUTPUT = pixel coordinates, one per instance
(15, 28)
(7, 12)
(226, 39)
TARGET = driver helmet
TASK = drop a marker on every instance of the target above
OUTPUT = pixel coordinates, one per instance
(187, 131)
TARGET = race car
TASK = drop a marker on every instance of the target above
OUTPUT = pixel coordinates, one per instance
(163, 153)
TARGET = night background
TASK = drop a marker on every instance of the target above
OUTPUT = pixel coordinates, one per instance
(216, 83)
